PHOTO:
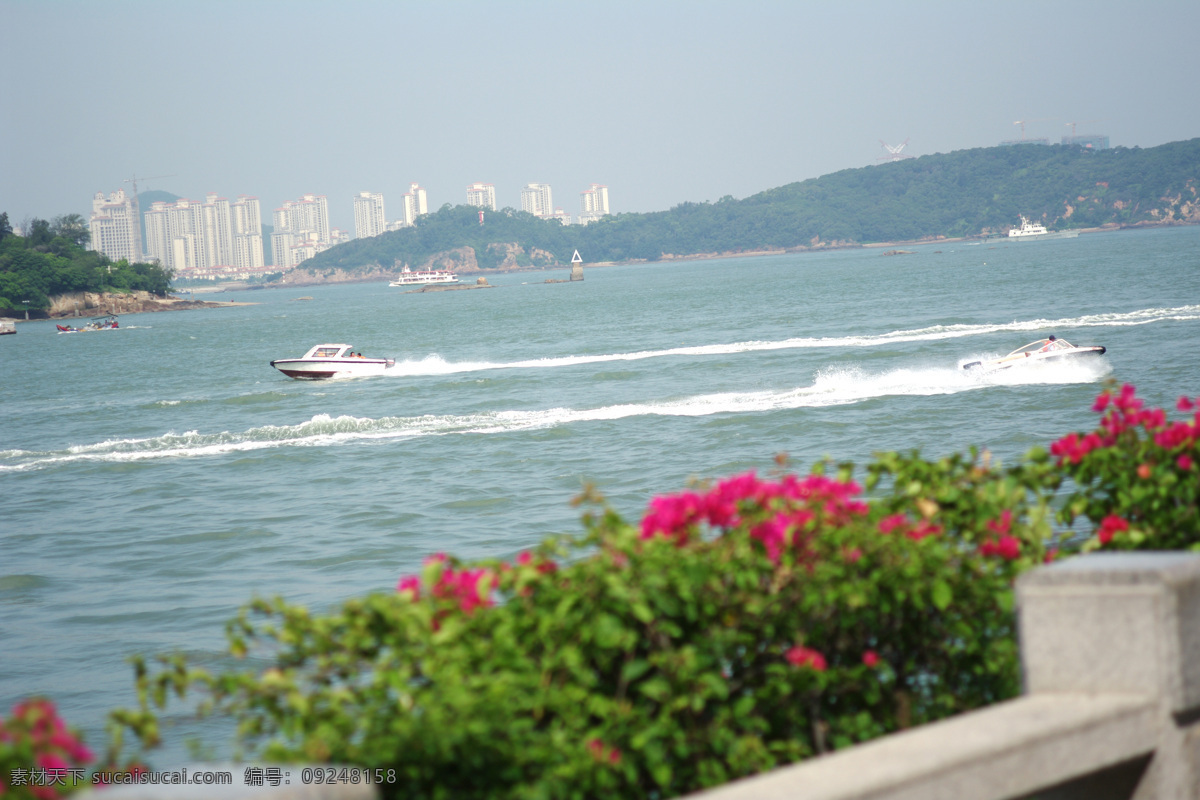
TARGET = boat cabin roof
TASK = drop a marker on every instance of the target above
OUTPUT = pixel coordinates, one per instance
(329, 351)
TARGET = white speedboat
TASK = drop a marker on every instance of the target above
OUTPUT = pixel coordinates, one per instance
(1043, 351)
(424, 277)
(1035, 231)
(332, 361)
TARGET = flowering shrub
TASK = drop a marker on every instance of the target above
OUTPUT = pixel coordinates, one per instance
(736, 628)
(1137, 474)
(39, 756)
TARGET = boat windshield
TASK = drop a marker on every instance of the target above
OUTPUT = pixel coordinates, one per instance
(1043, 345)
(326, 352)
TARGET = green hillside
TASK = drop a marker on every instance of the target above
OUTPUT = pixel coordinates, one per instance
(964, 193)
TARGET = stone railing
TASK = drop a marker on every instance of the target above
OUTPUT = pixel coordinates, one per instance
(1110, 647)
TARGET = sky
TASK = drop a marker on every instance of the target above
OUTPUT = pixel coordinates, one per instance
(662, 101)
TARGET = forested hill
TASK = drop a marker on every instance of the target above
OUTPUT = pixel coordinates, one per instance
(965, 193)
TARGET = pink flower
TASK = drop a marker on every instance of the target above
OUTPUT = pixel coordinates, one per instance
(601, 752)
(805, 657)
(890, 523)
(1007, 547)
(52, 761)
(1003, 525)
(870, 658)
(1184, 462)
(1110, 526)
(410, 584)
(923, 529)
(1185, 404)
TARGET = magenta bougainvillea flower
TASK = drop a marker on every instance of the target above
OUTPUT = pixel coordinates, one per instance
(805, 657)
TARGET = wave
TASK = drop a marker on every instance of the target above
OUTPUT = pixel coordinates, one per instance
(436, 365)
(831, 387)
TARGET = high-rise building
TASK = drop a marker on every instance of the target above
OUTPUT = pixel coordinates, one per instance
(482, 194)
(247, 234)
(368, 215)
(593, 203)
(300, 218)
(114, 226)
(537, 199)
(214, 235)
(416, 203)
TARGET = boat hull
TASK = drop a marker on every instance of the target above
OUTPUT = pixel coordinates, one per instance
(306, 369)
(1040, 237)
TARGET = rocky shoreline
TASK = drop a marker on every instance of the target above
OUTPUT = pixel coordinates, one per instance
(94, 304)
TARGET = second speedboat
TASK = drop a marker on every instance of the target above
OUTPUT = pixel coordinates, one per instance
(332, 361)
(1043, 351)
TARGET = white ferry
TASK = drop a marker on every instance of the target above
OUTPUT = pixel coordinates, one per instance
(423, 277)
(1036, 231)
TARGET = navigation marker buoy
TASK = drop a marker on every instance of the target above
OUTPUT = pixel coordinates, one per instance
(576, 267)
(576, 259)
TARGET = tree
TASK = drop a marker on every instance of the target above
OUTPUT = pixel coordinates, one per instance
(72, 227)
(5, 226)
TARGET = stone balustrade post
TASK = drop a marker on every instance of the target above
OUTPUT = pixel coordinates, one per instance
(1123, 623)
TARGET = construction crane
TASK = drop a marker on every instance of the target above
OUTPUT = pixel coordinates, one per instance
(1085, 122)
(1022, 122)
(137, 212)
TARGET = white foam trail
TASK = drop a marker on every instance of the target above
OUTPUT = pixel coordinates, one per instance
(836, 386)
(436, 365)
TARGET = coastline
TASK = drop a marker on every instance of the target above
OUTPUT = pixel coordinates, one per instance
(97, 304)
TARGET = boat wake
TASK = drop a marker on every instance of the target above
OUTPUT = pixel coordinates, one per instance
(831, 387)
(436, 365)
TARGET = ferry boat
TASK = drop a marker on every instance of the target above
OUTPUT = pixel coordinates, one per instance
(424, 277)
(332, 361)
(1036, 231)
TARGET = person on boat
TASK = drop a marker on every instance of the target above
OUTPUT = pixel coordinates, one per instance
(1051, 343)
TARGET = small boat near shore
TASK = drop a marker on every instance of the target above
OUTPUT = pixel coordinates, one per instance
(332, 361)
(1043, 351)
(105, 323)
(423, 277)
(7, 328)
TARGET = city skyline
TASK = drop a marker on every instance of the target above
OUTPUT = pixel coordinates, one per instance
(672, 102)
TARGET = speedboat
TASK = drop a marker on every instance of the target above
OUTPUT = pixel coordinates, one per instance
(105, 323)
(1043, 351)
(332, 361)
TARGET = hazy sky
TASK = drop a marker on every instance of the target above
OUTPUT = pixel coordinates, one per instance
(663, 102)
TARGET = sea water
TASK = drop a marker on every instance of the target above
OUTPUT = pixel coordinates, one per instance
(156, 477)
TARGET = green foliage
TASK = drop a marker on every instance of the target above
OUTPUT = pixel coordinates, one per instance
(964, 193)
(749, 626)
(1136, 475)
(51, 260)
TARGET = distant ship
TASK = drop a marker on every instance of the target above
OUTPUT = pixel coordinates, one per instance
(423, 277)
(1036, 231)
